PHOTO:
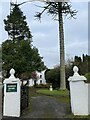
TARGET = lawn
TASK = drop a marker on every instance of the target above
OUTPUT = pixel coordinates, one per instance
(60, 95)
(63, 93)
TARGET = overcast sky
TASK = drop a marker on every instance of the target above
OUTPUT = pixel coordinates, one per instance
(45, 33)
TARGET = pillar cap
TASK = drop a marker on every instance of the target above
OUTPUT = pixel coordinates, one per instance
(12, 72)
(12, 78)
(76, 76)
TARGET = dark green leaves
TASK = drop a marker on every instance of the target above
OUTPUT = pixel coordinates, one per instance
(16, 25)
(18, 52)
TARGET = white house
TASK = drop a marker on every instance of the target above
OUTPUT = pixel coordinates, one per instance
(40, 78)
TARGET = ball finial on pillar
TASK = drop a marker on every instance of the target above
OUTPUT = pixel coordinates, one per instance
(12, 72)
(75, 69)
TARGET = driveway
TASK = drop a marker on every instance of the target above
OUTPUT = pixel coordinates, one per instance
(47, 107)
(0, 101)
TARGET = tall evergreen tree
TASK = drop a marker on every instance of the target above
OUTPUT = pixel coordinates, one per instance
(16, 25)
(58, 9)
(18, 52)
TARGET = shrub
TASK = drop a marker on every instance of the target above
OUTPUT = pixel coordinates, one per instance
(87, 75)
(53, 76)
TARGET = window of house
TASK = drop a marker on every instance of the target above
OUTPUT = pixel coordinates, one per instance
(40, 76)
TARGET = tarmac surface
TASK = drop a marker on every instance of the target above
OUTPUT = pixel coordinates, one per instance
(42, 107)
(47, 107)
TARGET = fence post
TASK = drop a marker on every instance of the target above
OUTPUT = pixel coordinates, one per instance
(78, 93)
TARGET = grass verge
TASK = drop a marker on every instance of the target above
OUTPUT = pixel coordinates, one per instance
(54, 92)
(60, 95)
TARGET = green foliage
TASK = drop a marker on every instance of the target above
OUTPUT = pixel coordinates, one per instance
(21, 57)
(54, 92)
(83, 64)
(37, 62)
(53, 8)
(16, 25)
(87, 75)
(53, 76)
(69, 72)
(18, 52)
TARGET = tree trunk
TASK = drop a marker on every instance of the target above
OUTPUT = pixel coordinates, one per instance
(62, 54)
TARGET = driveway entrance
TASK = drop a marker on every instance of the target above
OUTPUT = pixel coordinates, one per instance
(47, 107)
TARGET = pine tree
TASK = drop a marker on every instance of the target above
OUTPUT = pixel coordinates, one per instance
(18, 52)
(16, 25)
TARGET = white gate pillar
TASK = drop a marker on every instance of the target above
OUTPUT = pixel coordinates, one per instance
(11, 106)
(78, 93)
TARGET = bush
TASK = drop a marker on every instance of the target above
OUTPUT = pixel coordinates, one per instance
(87, 75)
(53, 76)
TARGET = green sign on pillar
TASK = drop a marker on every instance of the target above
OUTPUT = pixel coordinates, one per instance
(11, 87)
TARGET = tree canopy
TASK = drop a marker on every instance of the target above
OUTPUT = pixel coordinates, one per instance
(16, 25)
(18, 52)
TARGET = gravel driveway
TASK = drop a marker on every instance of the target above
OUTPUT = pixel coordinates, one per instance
(47, 107)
